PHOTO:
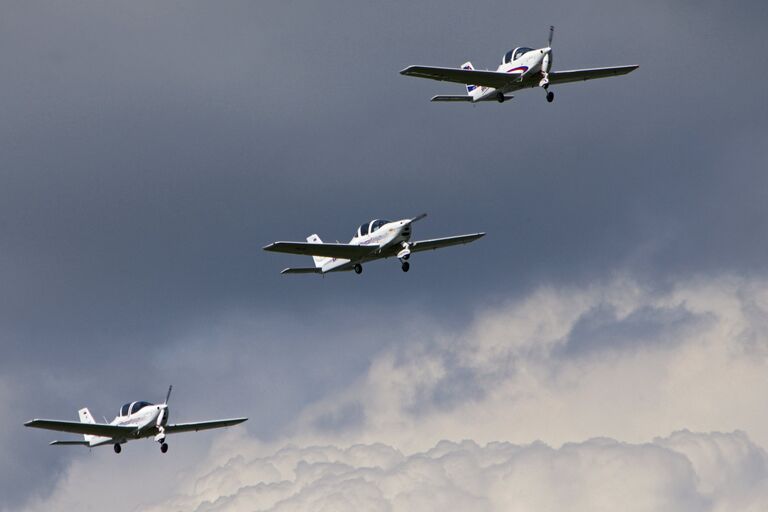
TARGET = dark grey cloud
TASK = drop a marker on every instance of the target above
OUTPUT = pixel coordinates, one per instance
(150, 150)
(602, 329)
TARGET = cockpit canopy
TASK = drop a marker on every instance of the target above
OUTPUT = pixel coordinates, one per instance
(515, 54)
(370, 227)
(132, 407)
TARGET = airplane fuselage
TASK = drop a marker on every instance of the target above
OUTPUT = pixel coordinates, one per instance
(386, 241)
(531, 68)
(145, 420)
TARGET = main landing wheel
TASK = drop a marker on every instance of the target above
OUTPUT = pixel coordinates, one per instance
(117, 448)
(164, 447)
(500, 97)
(550, 96)
(358, 268)
(406, 266)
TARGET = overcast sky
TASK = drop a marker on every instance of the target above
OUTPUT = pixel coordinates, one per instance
(151, 149)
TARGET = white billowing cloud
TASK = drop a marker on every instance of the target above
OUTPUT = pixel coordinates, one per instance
(615, 360)
(684, 472)
(616, 364)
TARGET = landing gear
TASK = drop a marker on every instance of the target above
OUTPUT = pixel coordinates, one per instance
(500, 97)
(550, 96)
(358, 268)
(164, 447)
(117, 448)
(406, 266)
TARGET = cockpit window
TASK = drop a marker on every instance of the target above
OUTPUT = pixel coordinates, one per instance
(362, 230)
(124, 410)
(508, 57)
(138, 405)
(376, 224)
(519, 52)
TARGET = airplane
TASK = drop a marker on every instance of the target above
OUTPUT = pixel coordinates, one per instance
(136, 420)
(373, 240)
(520, 68)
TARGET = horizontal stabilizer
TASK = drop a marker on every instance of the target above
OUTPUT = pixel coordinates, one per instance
(463, 97)
(69, 443)
(303, 270)
(468, 98)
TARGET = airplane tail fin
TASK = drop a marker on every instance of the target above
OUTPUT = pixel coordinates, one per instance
(86, 417)
(468, 65)
(319, 260)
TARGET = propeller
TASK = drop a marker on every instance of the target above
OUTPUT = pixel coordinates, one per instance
(546, 63)
(418, 217)
(163, 414)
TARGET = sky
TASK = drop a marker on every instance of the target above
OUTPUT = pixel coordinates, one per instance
(614, 319)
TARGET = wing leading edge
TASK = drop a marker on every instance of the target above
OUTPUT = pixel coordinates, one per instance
(75, 427)
(578, 75)
(202, 425)
(438, 243)
(498, 80)
(493, 79)
(343, 251)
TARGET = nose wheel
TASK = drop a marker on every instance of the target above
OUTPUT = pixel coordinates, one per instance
(164, 447)
(358, 268)
(406, 266)
(550, 96)
(117, 448)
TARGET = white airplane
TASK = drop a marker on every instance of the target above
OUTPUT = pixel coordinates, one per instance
(520, 68)
(373, 240)
(136, 420)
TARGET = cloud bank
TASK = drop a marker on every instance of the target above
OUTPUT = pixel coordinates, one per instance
(560, 397)
(683, 472)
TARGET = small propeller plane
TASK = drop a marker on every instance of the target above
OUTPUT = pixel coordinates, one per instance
(520, 68)
(136, 420)
(373, 240)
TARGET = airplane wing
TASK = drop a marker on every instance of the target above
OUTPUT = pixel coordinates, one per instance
(438, 243)
(70, 443)
(202, 425)
(344, 251)
(75, 427)
(493, 79)
(577, 75)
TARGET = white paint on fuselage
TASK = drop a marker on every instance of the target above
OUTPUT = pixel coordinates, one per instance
(387, 236)
(531, 60)
(145, 420)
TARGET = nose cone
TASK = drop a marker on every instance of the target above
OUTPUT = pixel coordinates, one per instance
(546, 50)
